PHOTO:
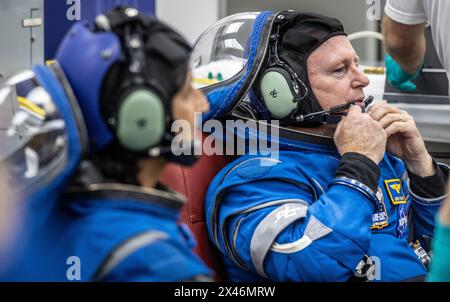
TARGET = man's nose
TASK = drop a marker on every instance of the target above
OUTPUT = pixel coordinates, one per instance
(201, 104)
(360, 80)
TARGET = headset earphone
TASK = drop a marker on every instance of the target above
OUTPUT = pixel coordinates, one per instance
(138, 112)
(280, 88)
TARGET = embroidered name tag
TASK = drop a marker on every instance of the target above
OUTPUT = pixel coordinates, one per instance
(380, 219)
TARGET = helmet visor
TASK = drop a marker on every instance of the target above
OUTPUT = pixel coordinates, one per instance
(33, 134)
(221, 52)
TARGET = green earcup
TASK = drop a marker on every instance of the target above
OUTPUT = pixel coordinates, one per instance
(140, 120)
(277, 95)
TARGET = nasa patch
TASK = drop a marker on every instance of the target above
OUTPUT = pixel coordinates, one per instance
(402, 227)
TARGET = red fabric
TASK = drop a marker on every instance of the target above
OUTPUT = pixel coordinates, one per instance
(193, 182)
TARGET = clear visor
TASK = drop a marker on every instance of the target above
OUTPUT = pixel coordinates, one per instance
(32, 132)
(221, 52)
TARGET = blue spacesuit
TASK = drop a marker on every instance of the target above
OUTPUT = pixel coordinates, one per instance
(292, 220)
(113, 232)
(305, 213)
(80, 223)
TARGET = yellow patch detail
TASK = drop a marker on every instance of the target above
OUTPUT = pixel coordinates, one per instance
(396, 187)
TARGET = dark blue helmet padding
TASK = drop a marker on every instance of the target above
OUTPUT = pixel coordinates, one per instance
(258, 106)
(43, 195)
(223, 99)
(86, 58)
(38, 196)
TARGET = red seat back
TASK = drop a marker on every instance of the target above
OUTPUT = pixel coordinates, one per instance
(193, 182)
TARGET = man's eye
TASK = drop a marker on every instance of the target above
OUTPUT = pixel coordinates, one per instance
(339, 70)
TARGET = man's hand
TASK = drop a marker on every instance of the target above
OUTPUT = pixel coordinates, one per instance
(404, 139)
(358, 132)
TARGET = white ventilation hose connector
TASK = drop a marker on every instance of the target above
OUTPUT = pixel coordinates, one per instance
(366, 34)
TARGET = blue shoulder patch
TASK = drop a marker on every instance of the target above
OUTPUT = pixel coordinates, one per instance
(256, 168)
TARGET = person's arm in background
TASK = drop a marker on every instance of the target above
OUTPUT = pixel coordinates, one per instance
(440, 265)
(405, 43)
(403, 30)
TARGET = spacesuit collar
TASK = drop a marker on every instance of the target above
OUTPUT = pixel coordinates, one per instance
(292, 139)
(90, 182)
(306, 137)
(115, 191)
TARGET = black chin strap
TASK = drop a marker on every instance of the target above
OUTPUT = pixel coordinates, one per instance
(330, 116)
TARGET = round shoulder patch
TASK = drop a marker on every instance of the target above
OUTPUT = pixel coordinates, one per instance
(257, 167)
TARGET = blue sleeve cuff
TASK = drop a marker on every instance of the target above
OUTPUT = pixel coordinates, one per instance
(362, 188)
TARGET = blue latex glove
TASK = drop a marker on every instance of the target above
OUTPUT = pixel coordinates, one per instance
(399, 78)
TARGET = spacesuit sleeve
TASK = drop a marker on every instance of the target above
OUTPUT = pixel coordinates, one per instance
(288, 234)
(153, 259)
(427, 195)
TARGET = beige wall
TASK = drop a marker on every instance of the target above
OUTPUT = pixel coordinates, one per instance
(190, 17)
(352, 13)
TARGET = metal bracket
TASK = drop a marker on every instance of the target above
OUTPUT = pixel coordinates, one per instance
(32, 22)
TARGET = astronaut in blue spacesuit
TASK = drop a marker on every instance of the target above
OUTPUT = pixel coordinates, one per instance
(352, 194)
(97, 127)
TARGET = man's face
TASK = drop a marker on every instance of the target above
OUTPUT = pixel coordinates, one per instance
(334, 75)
